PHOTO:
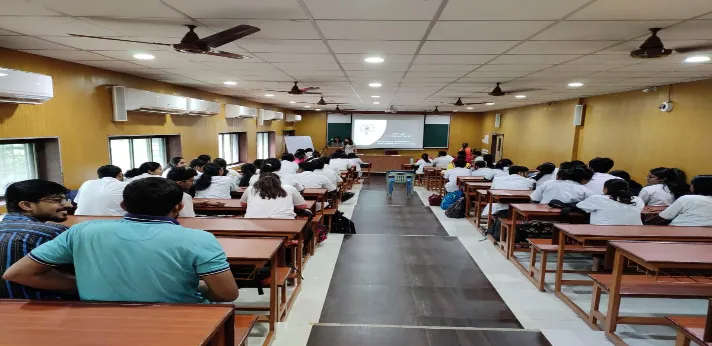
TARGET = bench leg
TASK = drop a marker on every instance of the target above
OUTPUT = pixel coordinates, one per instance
(542, 272)
(595, 305)
(532, 261)
(682, 339)
(283, 302)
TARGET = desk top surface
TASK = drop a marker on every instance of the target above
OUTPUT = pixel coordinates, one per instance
(535, 208)
(33, 323)
(667, 252)
(478, 183)
(250, 248)
(622, 232)
(313, 192)
(510, 193)
(213, 224)
(230, 204)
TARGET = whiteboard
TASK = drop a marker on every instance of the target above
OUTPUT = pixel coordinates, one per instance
(298, 142)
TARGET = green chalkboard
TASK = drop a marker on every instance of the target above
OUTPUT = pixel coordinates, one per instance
(436, 135)
(342, 130)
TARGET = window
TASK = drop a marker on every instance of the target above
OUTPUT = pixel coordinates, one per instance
(263, 145)
(17, 162)
(229, 147)
(131, 152)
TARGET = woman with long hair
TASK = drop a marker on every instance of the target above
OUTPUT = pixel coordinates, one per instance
(145, 170)
(212, 184)
(664, 187)
(545, 173)
(633, 186)
(268, 198)
(616, 207)
(349, 147)
(424, 161)
(174, 162)
(248, 170)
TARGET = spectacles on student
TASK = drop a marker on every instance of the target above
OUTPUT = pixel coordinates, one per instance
(56, 200)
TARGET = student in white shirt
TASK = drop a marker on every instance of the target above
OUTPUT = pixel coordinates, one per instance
(617, 207)
(356, 162)
(442, 160)
(339, 161)
(545, 173)
(184, 177)
(212, 183)
(226, 171)
(197, 165)
(516, 180)
(452, 174)
(308, 153)
(327, 161)
(147, 169)
(663, 187)
(311, 180)
(424, 161)
(248, 171)
(690, 210)
(501, 169)
(568, 187)
(288, 164)
(320, 167)
(600, 167)
(481, 170)
(268, 198)
(174, 162)
(478, 156)
(273, 165)
(102, 197)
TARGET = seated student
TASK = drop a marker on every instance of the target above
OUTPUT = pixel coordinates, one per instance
(308, 153)
(568, 187)
(273, 165)
(327, 160)
(481, 170)
(33, 206)
(147, 169)
(226, 171)
(489, 159)
(311, 180)
(616, 207)
(600, 167)
(212, 184)
(633, 186)
(516, 180)
(288, 164)
(478, 156)
(460, 156)
(500, 169)
(356, 162)
(300, 156)
(321, 167)
(315, 154)
(197, 165)
(690, 210)
(443, 159)
(269, 198)
(546, 173)
(663, 187)
(340, 161)
(452, 174)
(258, 163)
(205, 157)
(248, 171)
(424, 161)
(144, 257)
(174, 162)
(184, 177)
(103, 196)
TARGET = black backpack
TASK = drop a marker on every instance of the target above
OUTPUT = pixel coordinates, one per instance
(342, 224)
(457, 209)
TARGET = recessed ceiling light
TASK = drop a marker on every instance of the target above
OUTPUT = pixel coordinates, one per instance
(292, 101)
(307, 106)
(317, 109)
(374, 59)
(699, 58)
(269, 95)
(230, 83)
(521, 96)
(143, 56)
(575, 84)
(376, 103)
(470, 108)
(455, 110)
(375, 96)
(489, 103)
(375, 85)
(3, 74)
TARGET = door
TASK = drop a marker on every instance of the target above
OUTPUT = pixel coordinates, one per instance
(497, 146)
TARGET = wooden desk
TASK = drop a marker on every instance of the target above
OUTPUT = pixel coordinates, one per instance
(655, 257)
(56, 323)
(238, 194)
(316, 194)
(408, 167)
(693, 328)
(505, 196)
(462, 180)
(469, 189)
(592, 235)
(258, 252)
(480, 201)
(385, 163)
(231, 207)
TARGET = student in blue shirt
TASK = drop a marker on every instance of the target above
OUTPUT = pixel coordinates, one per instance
(144, 257)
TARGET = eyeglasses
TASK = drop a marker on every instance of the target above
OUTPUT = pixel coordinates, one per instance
(56, 200)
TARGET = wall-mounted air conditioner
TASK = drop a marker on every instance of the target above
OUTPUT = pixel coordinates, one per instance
(236, 111)
(294, 118)
(267, 114)
(147, 101)
(278, 116)
(202, 107)
(24, 87)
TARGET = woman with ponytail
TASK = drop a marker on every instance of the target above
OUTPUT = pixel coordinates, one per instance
(269, 198)
(546, 173)
(212, 184)
(665, 185)
(147, 169)
(616, 208)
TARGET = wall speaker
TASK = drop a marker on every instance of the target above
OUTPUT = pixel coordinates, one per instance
(578, 115)
(497, 120)
(118, 100)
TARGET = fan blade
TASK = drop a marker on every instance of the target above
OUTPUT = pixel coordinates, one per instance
(310, 93)
(518, 91)
(118, 39)
(309, 88)
(224, 54)
(475, 103)
(693, 49)
(229, 35)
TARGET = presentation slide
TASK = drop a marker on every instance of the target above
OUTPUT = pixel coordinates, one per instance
(388, 131)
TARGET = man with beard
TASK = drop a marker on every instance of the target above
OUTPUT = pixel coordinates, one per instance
(32, 206)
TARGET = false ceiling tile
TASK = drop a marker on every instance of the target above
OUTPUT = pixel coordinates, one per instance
(358, 58)
(561, 47)
(372, 9)
(295, 58)
(374, 47)
(151, 27)
(390, 67)
(466, 47)
(498, 74)
(27, 42)
(269, 28)
(426, 59)
(24, 8)
(273, 9)
(94, 44)
(69, 55)
(598, 30)
(283, 46)
(641, 10)
(533, 59)
(52, 26)
(112, 8)
(510, 67)
(509, 9)
(485, 30)
(373, 30)
(692, 30)
(453, 67)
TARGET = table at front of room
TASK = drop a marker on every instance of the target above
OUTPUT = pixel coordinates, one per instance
(57, 323)
(258, 252)
(469, 189)
(593, 235)
(660, 258)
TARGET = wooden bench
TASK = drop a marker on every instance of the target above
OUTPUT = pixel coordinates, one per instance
(544, 246)
(283, 274)
(329, 215)
(689, 328)
(243, 326)
(644, 286)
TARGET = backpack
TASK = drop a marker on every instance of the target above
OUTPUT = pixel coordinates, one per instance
(342, 224)
(434, 200)
(322, 232)
(450, 198)
(457, 209)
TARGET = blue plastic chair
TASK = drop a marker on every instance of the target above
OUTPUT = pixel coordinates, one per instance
(400, 177)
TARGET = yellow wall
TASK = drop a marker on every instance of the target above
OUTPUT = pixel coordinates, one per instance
(80, 115)
(464, 127)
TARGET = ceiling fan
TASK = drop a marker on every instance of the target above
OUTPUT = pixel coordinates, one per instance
(654, 48)
(192, 44)
(295, 90)
(459, 103)
(434, 111)
(324, 103)
(497, 91)
(342, 110)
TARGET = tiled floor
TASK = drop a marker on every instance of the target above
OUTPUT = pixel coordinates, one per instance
(412, 276)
